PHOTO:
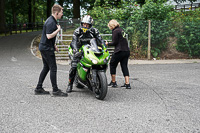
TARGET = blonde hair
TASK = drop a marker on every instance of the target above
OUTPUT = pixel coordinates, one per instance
(112, 24)
(56, 8)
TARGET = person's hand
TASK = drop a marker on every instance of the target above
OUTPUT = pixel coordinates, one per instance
(56, 48)
(106, 42)
(58, 26)
(75, 51)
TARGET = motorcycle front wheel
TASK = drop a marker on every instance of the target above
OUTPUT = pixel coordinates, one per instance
(102, 88)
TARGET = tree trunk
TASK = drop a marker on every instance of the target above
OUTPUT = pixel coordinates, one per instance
(34, 10)
(76, 9)
(2, 16)
(13, 8)
(29, 14)
(29, 11)
(49, 6)
(61, 2)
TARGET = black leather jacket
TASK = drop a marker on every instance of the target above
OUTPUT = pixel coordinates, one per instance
(83, 35)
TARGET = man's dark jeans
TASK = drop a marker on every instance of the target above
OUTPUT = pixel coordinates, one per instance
(49, 62)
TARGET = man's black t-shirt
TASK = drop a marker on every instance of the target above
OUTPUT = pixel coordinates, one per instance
(49, 27)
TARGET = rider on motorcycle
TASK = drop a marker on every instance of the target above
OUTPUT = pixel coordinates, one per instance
(82, 36)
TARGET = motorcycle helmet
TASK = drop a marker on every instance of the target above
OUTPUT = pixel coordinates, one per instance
(87, 19)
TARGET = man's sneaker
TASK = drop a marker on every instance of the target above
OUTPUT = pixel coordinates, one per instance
(128, 86)
(59, 93)
(40, 91)
(113, 84)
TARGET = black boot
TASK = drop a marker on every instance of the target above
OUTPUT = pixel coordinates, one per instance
(69, 88)
(72, 73)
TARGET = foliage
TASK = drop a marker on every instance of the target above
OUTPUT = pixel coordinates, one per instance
(138, 25)
(187, 31)
(14, 9)
(165, 22)
(155, 11)
(189, 38)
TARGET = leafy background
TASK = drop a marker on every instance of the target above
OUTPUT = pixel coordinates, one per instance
(166, 23)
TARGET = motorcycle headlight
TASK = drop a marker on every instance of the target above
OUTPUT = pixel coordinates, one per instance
(94, 61)
(107, 57)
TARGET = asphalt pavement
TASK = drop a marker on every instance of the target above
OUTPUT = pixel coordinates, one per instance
(164, 97)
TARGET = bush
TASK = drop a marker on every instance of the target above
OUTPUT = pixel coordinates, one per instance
(187, 31)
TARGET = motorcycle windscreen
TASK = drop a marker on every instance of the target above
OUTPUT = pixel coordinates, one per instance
(94, 47)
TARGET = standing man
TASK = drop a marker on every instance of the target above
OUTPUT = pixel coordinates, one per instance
(47, 47)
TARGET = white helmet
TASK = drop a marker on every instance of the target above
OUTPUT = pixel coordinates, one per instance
(87, 19)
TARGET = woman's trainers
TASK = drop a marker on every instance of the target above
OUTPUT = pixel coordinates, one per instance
(123, 85)
(128, 86)
(113, 84)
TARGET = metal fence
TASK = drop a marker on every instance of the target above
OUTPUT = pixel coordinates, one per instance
(187, 7)
(21, 27)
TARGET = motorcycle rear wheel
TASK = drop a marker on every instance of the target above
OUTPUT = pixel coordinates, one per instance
(102, 88)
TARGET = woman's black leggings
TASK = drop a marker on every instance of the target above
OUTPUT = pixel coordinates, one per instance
(121, 57)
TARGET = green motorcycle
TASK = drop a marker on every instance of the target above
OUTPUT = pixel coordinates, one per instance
(91, 69)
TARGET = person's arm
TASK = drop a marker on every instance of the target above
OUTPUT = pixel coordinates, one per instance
(115, 39)
(52, 35)
(75, 39)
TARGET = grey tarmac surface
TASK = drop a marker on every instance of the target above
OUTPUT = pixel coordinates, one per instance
(165, 97)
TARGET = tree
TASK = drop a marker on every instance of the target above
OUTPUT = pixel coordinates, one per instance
(2, 16)
(29, 11)
(49, 5)
(76, 9)
(61, 2)
(140, 2)
(34, 10)
(13, 7)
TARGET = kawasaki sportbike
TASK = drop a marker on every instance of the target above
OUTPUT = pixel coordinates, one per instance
(91, 69)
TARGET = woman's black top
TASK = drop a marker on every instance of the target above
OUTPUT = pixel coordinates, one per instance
(119, 40)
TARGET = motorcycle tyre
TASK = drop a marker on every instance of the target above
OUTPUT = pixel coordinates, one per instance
(101, 77)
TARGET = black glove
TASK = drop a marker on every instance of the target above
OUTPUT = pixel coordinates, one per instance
(76, 53)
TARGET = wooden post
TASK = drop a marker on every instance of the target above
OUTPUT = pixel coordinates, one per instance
(37, 26)
(20, 28)
(15, 28)
(26, 27)
(149, 40)
(10, 28)
(5, 29)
